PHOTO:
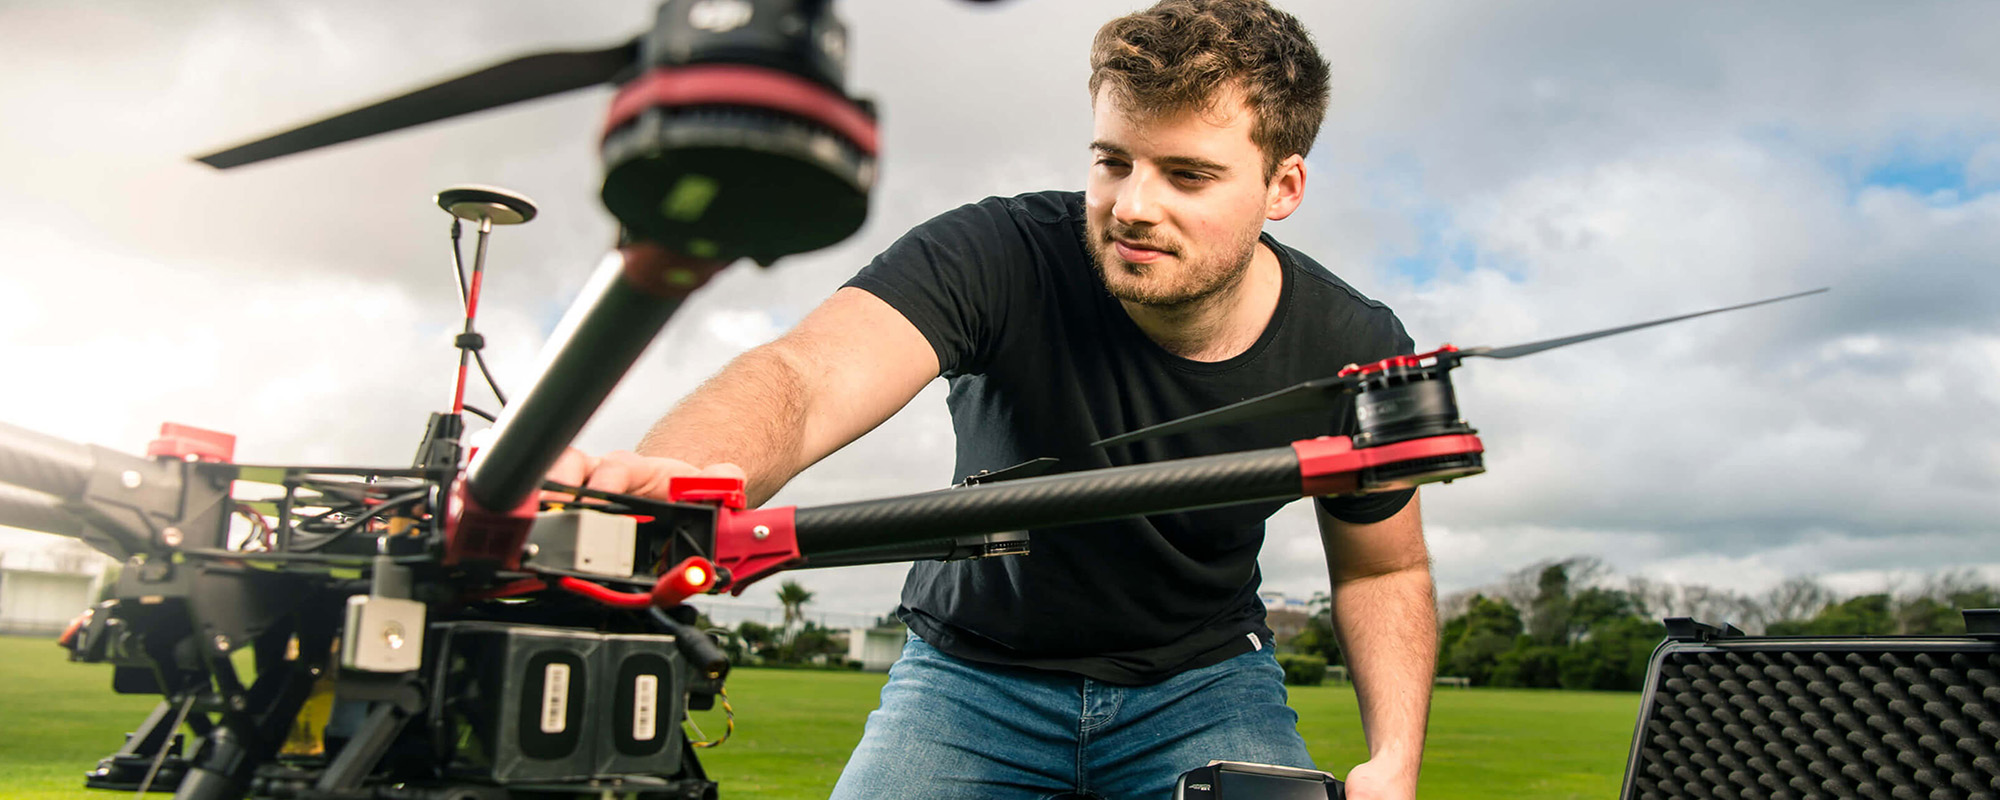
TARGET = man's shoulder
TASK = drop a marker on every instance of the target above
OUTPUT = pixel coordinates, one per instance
(1326, 286)
(1012, 230)
(1050, 207)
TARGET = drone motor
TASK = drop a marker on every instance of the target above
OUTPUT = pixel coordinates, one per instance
(1410, 397)
(1405, 398)
(736, 139)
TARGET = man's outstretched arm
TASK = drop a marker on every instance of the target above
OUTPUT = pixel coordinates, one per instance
(1385, 616)
(781, 407)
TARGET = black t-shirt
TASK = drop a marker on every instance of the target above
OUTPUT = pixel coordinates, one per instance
(1042, 361)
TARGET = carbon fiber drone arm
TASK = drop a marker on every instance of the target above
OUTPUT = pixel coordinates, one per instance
(753, 544)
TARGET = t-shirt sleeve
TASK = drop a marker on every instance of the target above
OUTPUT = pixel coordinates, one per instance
(1390, 340)
(956, 278)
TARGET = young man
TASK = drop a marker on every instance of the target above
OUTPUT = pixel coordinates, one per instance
(1117, 655)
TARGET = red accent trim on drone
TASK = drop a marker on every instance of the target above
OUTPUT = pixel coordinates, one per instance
(1330, 464)
(189, 443)
(68, 636)
(458, 393)
(691, 577)
(1415, 360)
(471, 311)
(743, 85)
(754, 544)
(474, 533)
(511, 589)
(750, 544)
(660, 272)
(726, 492)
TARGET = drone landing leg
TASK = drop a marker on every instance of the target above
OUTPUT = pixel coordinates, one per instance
(253, 726)
(358, 757)
(127, 768)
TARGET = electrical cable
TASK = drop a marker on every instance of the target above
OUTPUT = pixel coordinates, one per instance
(485, 415)
(479, 358)
(307, 558)
(458, 262)
(361, 520)
(261, 532)
(700, 739)
(644, 584)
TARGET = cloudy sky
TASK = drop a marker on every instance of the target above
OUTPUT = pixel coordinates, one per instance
(1496, 172)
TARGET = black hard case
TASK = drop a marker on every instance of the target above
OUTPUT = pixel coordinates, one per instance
(1731, 716)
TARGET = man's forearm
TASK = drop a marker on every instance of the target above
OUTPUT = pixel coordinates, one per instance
(1387, 626)
(751, 414)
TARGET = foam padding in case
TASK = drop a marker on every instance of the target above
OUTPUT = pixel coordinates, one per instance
(1777, 718)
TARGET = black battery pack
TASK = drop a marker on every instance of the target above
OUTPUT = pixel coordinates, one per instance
(1237, 780)
(1731, 716)
(523, 704)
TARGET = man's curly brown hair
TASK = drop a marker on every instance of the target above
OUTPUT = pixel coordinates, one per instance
(1180, 55)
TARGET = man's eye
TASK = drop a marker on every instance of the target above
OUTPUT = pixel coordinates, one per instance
(1192, 177)
(1110, 163)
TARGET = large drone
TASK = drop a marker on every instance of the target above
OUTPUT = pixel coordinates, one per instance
(433, 631)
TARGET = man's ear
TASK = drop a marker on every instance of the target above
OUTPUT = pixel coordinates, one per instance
(1286, 188)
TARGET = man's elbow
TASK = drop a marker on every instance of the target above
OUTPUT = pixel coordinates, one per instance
(1417, 568)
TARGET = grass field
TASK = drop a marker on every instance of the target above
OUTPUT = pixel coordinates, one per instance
(794, 730)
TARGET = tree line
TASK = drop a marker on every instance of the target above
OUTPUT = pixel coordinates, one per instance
(1566, 624)
(798, 642)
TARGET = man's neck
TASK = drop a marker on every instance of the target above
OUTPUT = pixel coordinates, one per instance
(1222, 325)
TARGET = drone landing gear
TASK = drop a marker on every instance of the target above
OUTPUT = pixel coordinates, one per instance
(127, 769)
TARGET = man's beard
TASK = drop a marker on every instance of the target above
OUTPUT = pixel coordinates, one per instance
(1185, 284)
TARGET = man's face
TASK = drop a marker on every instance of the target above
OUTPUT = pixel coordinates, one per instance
(1174, 202)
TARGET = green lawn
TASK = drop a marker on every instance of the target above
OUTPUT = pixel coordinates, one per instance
(795, 728)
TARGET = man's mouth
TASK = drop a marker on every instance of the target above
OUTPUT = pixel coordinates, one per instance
(1138, 253)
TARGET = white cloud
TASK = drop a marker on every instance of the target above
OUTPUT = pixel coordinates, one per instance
(1982, 170)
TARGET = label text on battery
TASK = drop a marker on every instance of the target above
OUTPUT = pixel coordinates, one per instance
(645, 707)
(555, 698)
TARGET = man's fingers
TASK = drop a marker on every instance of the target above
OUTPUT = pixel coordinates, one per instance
(572, 467)
(725, 470)
(641, 475)
(610, 475)
(622, 472)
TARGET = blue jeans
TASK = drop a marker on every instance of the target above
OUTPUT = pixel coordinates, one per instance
(950, 728)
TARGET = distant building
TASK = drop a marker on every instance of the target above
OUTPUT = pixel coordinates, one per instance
(42, 589)
(876, 648)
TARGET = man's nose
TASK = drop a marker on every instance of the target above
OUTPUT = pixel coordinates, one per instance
(1139, 201)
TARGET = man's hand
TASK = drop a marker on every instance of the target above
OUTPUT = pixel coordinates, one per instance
(1381, 780)
(627, 473)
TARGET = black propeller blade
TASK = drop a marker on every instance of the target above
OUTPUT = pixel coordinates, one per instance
(1316, 394)
(524, 78)
(1550, 344)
